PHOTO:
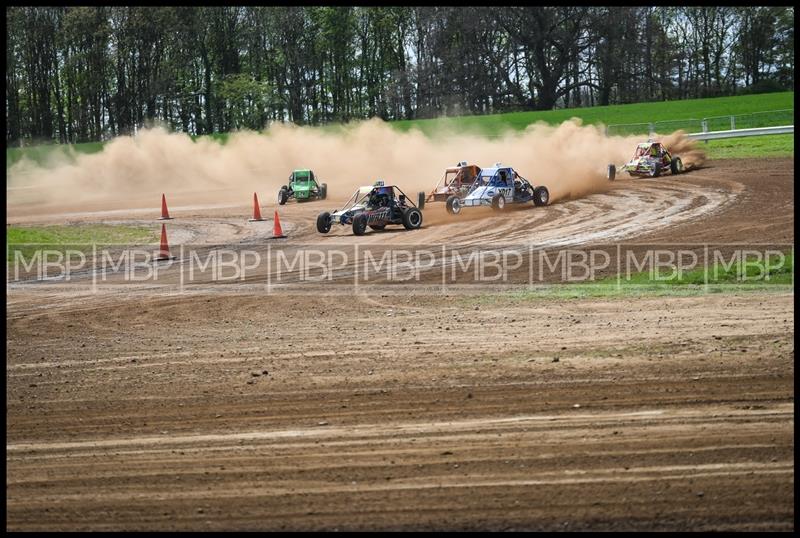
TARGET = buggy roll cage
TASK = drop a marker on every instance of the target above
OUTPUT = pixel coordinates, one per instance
(458, 171)
(358, 197)
(492, 179)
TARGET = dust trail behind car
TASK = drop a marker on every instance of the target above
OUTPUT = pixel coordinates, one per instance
(132, 172)
(679, 144)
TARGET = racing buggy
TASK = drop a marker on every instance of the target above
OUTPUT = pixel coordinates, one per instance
(496, 187)
(302, 186)
(455, 181)
(375, 206)
(651, 159)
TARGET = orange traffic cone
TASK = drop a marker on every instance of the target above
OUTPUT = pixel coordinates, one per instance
(164, 210)
(163, 252)
(256, 210)
(277, 232)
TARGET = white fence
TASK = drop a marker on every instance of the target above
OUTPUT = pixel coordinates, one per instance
(741, 122)
(737, 133)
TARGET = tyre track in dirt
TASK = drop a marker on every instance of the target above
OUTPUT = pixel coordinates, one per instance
(139, 409)
(408, 470)
(470, 437)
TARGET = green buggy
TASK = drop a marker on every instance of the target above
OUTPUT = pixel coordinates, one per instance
(303, 186)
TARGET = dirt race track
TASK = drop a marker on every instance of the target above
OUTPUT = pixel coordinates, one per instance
(142, 410)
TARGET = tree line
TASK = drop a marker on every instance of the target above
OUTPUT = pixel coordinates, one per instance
(77, 74)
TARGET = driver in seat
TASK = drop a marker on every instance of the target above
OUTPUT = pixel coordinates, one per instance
(378, 199)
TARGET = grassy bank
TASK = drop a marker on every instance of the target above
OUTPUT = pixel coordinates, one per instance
(752, 147)
(29, 239)
(608, 115)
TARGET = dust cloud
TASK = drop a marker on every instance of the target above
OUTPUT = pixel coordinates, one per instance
(687, 149)
(130, 172)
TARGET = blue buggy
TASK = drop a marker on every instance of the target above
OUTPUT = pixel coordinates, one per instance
(495, 187)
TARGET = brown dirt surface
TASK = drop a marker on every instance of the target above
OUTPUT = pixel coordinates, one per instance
(142, 409)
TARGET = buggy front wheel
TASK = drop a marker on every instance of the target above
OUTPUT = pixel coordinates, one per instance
(541, 196)
(656, 170)
(282, 197)
(324, 222)
(453, 204)
(499, 202)
(360, 224)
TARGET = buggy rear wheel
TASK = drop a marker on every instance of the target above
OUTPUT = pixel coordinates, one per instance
(676, 166)
(412, 218)
(323, 191)
(421, 200)
(282, 196)
(611, 174)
